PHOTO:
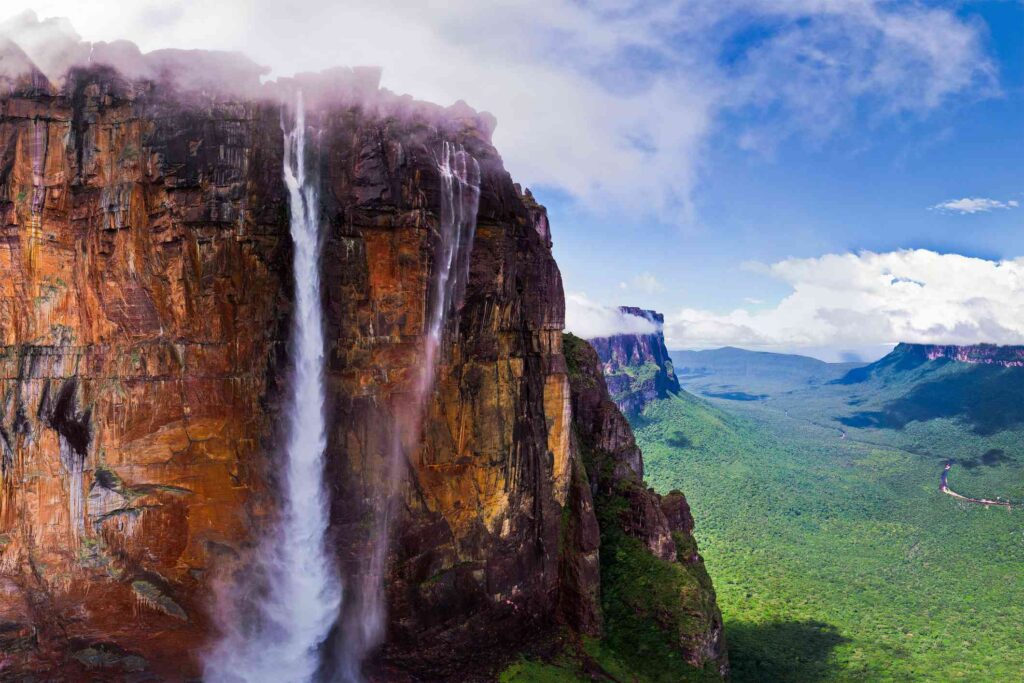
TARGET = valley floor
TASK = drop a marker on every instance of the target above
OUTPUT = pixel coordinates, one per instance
(840, 560)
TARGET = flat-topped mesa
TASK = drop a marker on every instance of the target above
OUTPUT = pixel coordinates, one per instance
(982, 354)
(637, 366)
(146, 297)
(147, 291)
(48, 58)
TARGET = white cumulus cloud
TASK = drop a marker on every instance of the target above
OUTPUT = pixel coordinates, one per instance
(588, 319)
(870, 299)
(969, 205)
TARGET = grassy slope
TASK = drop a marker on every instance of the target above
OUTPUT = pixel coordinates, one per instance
(649, 604)
(836, 560)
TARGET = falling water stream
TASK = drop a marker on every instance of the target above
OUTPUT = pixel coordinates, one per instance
(280, 615)
(460, 201)
(300, 595)
(363, 627)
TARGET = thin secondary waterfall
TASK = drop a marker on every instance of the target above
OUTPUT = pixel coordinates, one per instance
(298, 603)
(363, 626)
(460, 201)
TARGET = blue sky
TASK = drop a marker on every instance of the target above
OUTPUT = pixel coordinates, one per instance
(867, 186)
(767, 174)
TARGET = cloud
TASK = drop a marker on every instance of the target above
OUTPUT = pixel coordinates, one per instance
(868, 299)
(588, 319)
(644, 282)
(604, 100)
(969, 205)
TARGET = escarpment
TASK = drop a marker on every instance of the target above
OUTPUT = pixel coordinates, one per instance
(145, 299)
(143, 312)
(984, 354)
(637, 365)
(657, 599)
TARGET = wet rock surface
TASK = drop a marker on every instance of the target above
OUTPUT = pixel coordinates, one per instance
(144, 310)
(145, 300)
(142, 317)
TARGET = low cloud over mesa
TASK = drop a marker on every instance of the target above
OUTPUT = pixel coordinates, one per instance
(588, 319)
(741, 70)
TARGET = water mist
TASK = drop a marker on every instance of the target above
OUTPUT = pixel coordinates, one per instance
(279, 625)
(362, 627)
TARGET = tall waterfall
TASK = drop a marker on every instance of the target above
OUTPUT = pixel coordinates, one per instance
(362, 627)
(297, 602)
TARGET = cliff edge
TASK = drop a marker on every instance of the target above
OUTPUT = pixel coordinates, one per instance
(145, 300)
(637, 366)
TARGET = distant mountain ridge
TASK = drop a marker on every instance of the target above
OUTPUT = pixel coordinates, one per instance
(741, 375)
(987, 354)
(637, 367)
(910, 356)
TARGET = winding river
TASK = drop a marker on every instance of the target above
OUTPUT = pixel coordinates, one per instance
(944, 487)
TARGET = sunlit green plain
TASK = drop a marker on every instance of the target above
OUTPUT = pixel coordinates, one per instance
(839, 560)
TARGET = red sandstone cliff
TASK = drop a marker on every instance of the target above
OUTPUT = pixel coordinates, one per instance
(144, 308)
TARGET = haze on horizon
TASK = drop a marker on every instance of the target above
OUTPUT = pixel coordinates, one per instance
(826, 178)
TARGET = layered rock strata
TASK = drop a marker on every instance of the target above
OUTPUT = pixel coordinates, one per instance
(145, 300)
(983, 354)
(637, 366)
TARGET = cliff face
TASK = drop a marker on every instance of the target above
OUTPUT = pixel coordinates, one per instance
(637, 367)
(984, 354)
(474, 556)
(145, 299)
(143, 308)
(910, 356)
(657, 597)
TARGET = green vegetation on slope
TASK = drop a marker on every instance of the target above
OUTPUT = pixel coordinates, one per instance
(642, 373)
(630, 379)
(576, 661)
(838, 560)
(651, 607)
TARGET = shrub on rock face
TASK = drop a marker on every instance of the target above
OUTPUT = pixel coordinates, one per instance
(657, 600)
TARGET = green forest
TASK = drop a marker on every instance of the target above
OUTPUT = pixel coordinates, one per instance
(837, 559)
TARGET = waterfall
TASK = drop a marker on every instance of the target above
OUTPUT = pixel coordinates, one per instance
(362, 627)
(38, 148)
(460, 200)
(277, 635)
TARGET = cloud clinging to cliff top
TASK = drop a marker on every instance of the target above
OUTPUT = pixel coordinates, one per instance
(609, 102)
(588, 319)
(869, 299)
